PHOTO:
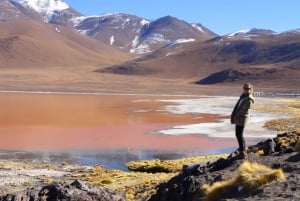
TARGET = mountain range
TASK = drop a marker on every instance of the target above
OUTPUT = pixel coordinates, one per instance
(52, 33)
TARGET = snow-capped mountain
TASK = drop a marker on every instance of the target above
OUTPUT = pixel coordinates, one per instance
(138, 35)
(116, 29)
(251, 33)
(12, 10)
(47, 8)
(53, 11)
(164, 31)
(125, 31)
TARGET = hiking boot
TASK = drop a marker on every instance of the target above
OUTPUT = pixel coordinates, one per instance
(242, 155)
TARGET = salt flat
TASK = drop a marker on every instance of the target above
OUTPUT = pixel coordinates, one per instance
(221, 105)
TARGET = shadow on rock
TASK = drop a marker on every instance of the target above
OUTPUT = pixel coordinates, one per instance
(276, 161)
(66, 192)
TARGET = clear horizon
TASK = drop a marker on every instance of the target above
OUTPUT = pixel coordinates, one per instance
(220, 16)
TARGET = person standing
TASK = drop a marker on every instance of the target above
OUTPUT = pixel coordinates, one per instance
(240, 116)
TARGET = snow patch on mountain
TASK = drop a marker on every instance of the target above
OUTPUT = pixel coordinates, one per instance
(198, 27)
(135, 42)
(183, 40)
(157, 37)
(77, 20)
(139, 48)
(112, 40)
(145, 22)
(244, 31)
(142, 48)
(178, 41)
(46, 8)
(249, 33)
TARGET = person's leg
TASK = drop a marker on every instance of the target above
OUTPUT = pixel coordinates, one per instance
(239, 133)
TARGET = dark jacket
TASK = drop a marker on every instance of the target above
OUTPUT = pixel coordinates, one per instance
(241, 112)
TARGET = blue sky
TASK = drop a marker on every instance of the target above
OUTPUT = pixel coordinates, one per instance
(220, 16)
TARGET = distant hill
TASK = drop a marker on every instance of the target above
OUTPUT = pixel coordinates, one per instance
(262, 56)
(33, 43)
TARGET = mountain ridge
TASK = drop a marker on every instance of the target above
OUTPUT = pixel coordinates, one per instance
(136, 37)
(166, 47)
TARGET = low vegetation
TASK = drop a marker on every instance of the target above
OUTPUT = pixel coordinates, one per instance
(133, 185)
(145, 175)
(169, 166)
(250, 177)
(283, 125)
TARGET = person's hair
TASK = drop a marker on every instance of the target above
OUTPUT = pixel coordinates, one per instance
(249, 87)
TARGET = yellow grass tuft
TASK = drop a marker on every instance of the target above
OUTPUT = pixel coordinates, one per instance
(47, 180)
(65, 163)
(128, 184)
(250, 176)
(170, 166)
(254, 175)
(218, 190)
(260, 152)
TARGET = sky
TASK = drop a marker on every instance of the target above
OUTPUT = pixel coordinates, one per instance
(220, 16)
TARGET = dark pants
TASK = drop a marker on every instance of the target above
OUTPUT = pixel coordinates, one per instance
(239, 133)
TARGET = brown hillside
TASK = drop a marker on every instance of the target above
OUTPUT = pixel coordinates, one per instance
(26, 43)
(267, 60)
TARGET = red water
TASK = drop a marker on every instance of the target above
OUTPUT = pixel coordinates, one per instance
(91, 122)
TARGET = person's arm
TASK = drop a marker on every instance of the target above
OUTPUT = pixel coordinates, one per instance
(244, 108)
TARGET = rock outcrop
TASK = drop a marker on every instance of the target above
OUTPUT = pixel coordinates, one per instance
(189, 184)
(64, 192)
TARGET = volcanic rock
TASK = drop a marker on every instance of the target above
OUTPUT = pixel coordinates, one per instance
(62, 191)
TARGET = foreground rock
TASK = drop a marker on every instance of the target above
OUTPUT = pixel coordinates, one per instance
(274, 175)
(62, 191)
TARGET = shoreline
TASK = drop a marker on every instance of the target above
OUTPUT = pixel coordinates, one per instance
(266, 95)
(115, 158)
(110, 159)
(100, 93)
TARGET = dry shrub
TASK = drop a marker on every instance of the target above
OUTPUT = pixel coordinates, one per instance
(169, 166)
(260, 152)
(133, 185)
(254, 175)
(250, 176)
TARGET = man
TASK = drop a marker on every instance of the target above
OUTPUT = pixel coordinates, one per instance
(240, 116)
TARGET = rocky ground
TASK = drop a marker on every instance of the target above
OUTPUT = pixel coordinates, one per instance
(138, 184)
(273, 176)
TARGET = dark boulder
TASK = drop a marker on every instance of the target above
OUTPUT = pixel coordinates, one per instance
(64, 192)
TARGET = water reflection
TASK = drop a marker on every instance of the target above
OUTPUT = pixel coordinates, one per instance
(114, 159)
